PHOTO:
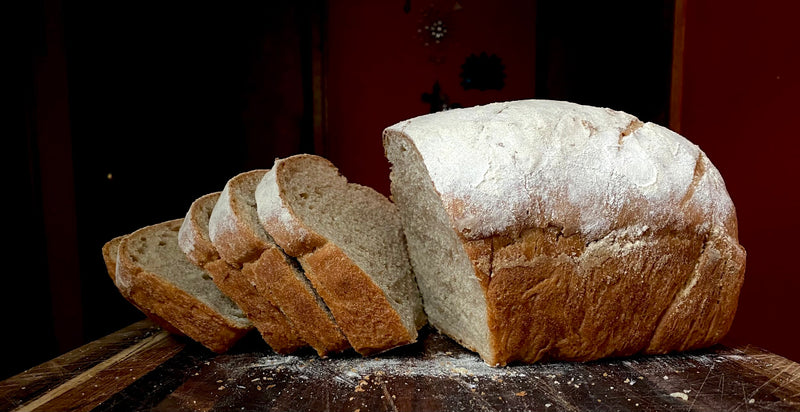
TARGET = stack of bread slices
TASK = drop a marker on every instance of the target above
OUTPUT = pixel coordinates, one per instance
(530, 230)
(296, 252)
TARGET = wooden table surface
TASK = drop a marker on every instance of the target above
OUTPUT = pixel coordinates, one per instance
(142, 367)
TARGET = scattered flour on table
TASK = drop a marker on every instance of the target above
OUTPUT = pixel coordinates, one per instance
(356, 371)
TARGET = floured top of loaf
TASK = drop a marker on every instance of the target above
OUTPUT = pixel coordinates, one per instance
(506, 166)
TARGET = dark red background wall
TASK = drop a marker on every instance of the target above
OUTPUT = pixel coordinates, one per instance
(740, 105)
(378, 69)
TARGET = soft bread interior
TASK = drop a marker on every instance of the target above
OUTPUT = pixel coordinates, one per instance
(157, 252)
(453, 297)
(362, 222)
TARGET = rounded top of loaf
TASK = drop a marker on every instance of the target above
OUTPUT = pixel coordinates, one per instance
(503, 167)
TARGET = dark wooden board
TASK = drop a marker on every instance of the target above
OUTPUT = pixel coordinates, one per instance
(144, 368)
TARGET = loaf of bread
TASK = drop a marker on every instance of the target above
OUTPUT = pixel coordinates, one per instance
(350, 243)
(551, 230)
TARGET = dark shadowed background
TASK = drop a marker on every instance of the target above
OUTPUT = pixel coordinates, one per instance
(123, 114)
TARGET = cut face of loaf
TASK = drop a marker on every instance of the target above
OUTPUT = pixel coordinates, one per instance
(277, 279)
(154, 274)
(196, 243)
(349, 241)
(544, 229)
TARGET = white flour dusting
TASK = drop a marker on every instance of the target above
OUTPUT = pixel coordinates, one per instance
(537, 162)
(273, 211)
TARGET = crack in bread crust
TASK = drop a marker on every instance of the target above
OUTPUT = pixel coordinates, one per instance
(586, 296)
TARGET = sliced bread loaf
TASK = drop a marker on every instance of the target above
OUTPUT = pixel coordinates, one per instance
(349, 240)
(155, 274)
(194, 240)
(240, 239)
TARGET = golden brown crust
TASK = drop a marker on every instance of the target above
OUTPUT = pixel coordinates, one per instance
(619, 291)
(358, 305)
(192, 317)
(274, 276)
(268, 319)
(702, 315)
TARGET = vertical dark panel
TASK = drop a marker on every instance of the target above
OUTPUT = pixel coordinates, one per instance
(54, 145)
(676, 85)
(29, 337)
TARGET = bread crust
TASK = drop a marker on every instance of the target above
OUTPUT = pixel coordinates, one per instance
(185, 312)
(360, 307)
(275, 276)
(276, 330)
(630, 293)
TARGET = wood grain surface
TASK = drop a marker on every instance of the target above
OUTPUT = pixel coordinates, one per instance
(144, 368)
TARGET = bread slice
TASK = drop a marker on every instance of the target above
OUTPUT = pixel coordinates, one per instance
(241, 241)
(110, 250)
(193, 236)
(155, 274)
(551, 230)
(194, 240)
(349, 241)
